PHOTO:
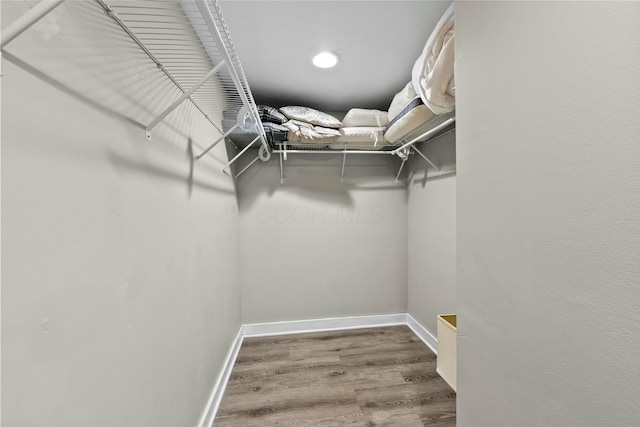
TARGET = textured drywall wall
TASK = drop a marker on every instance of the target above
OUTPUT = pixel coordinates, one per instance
(120, 287)
(548, 100)
(431, 210)
(315, 247)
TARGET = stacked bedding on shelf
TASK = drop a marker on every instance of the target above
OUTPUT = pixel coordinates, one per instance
(299, 127)
(427, 100)
(363, 130)
(309, 128)
(431, 91)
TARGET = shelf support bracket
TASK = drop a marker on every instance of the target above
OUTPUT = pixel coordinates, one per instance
(209, 148)
(344, 161)
(248, 166)
(232, 161)
(21, 24)
(400, 170)
(185, 95)
(281, 170)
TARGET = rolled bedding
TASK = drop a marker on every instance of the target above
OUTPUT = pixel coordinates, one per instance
(306, 134)
(310, 115)
(432, 75)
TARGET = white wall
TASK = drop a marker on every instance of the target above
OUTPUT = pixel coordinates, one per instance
(317, 248)
(548, 206)
(120, 278)
(432, 234)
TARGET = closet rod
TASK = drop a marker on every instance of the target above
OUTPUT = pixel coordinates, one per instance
(426, 134)
(113, 15)
(21, 24)
(435, 138)
(331, 152)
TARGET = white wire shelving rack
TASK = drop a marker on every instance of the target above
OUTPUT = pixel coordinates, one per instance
(190, 43)
(431, 130)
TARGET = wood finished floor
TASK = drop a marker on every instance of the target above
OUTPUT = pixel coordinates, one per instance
(361, 377)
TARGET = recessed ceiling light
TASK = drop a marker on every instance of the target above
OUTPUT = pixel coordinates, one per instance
(325, 60)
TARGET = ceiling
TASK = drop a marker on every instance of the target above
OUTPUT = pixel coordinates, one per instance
(377, 42)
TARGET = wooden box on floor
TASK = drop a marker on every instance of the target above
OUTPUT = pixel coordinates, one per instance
(447, 349)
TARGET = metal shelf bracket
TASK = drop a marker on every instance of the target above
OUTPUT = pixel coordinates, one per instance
(281, 170)
(344, 160)
(185, 95)
(223, 136)
(232, 161)
(404, 160)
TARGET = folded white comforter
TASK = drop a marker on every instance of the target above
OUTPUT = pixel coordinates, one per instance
(308, 134)
(432, 74)
(360, 138)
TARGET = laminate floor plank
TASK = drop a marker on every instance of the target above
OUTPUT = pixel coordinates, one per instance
(388, 419)
(337, 376)
(303, 402)
(283, 365)
(405, 395)
(347, 415)
(361, 377)
(432, 400)
(350, 348)
(262, 354)
(418, 372)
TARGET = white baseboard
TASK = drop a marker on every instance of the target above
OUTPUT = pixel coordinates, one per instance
(320, 325)
(423, 333)
(209, 414)
(303, 326)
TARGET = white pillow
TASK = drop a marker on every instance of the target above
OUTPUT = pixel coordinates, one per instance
(409, 119)
(401, 100)
(361, 117)
(310, 115)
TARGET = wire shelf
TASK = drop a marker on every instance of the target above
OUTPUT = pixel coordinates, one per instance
(188, 40)
(433, 128)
